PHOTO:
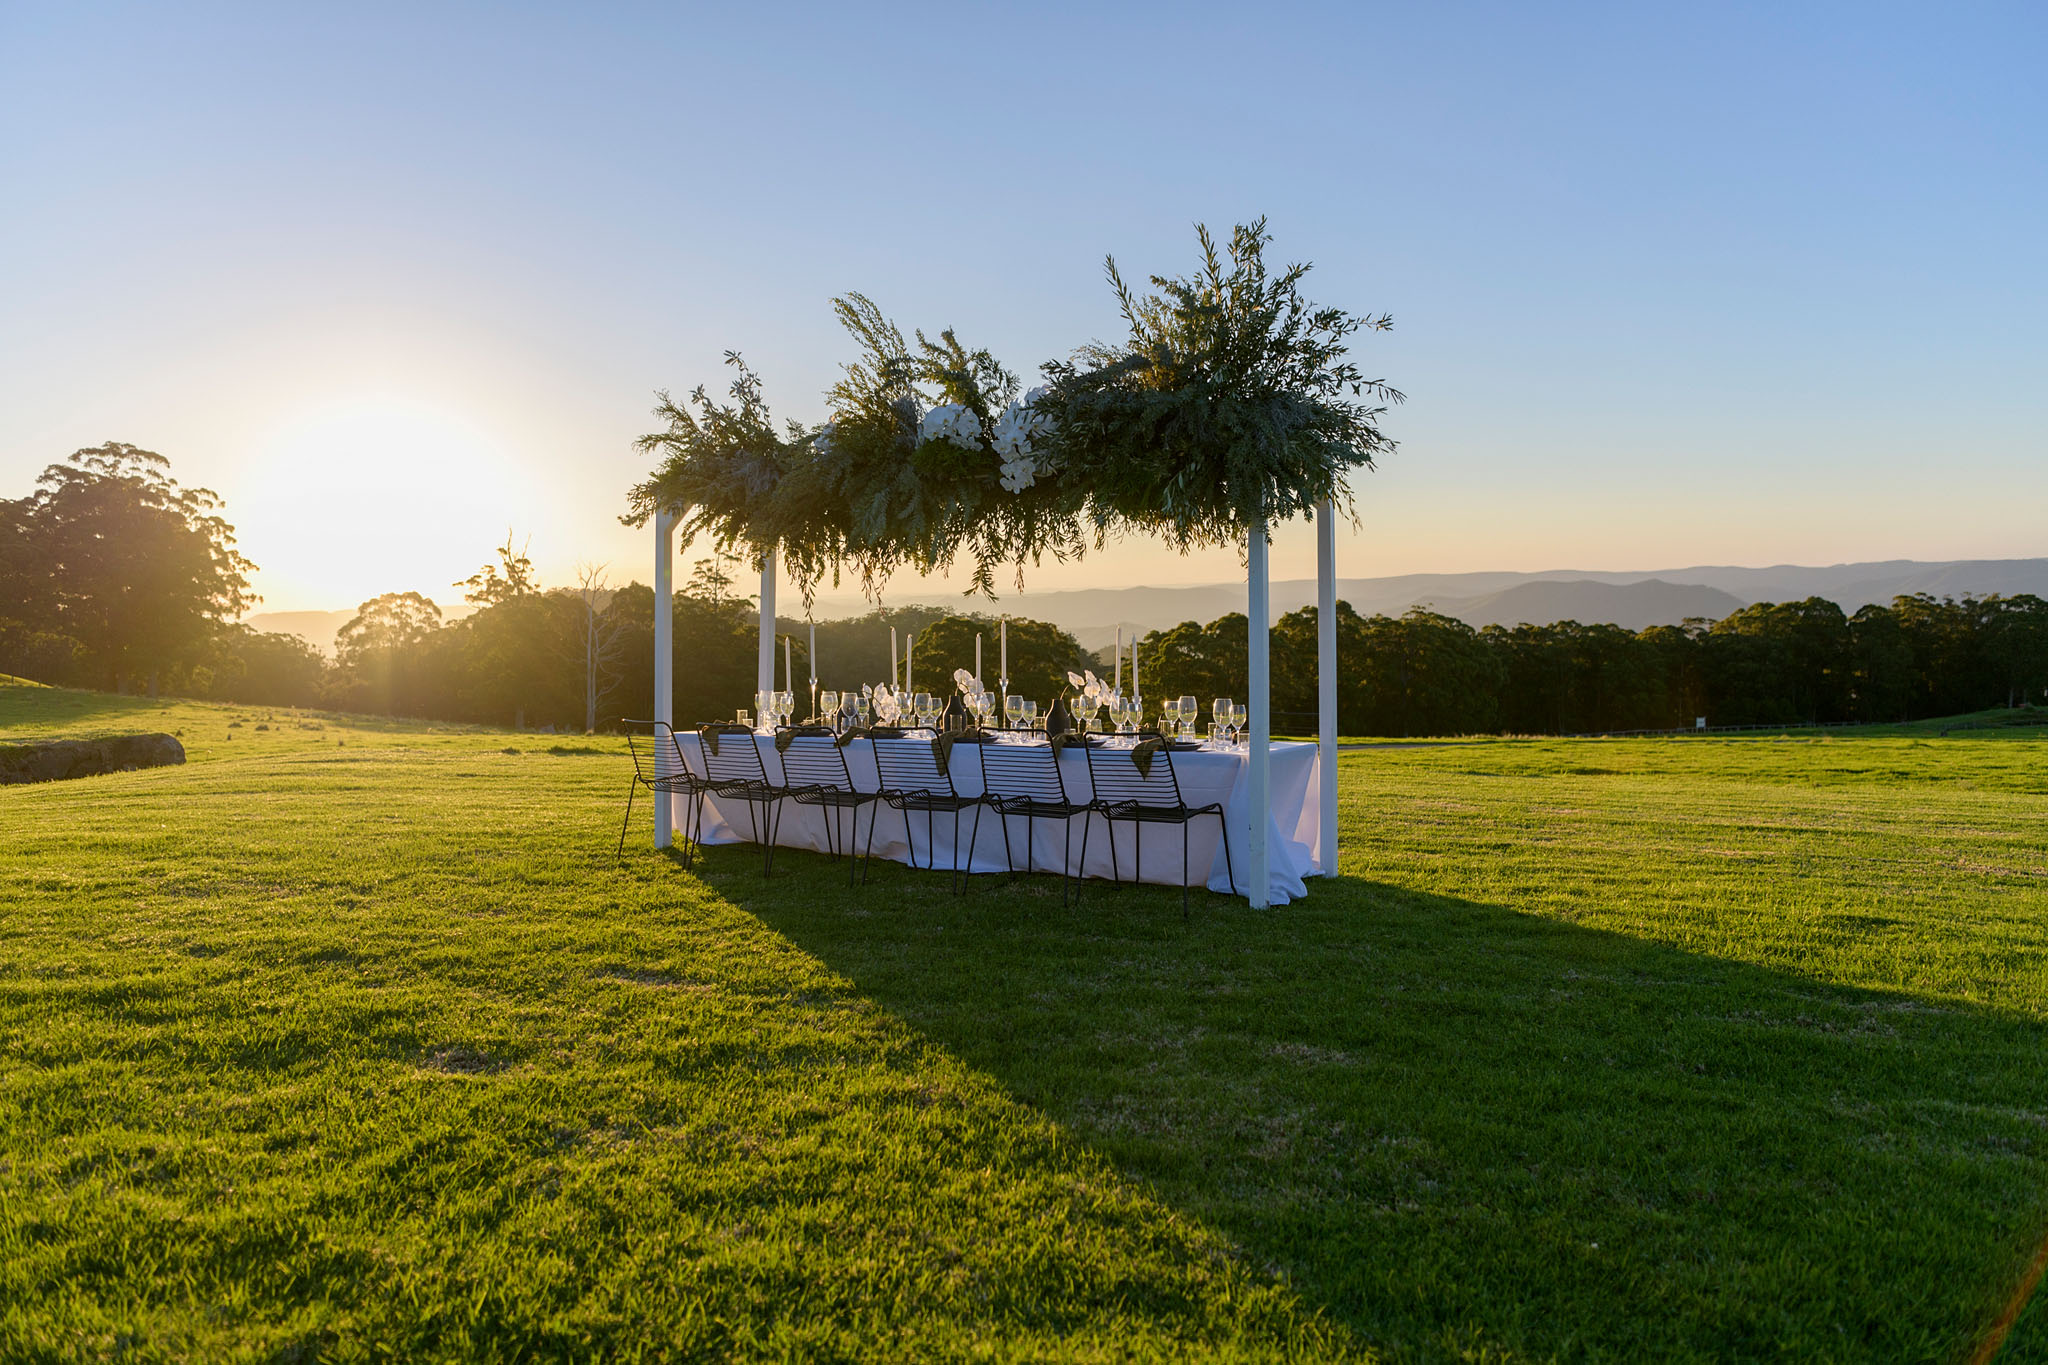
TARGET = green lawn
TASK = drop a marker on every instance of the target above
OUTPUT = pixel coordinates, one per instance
(348, 1041)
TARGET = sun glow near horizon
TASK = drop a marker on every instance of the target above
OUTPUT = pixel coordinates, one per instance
(376, 493)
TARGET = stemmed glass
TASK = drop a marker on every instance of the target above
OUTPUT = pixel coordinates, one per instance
(1188, 709)
(1013, 707)
(1030, 714)
(828, 708)
(921, 708)
(1219, 712)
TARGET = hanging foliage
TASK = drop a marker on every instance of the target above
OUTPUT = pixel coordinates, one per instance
(1229, 405)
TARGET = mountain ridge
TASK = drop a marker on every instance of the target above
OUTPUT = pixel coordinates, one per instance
(1480, 597)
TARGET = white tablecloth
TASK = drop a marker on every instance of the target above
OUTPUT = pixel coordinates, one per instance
(1292, 827)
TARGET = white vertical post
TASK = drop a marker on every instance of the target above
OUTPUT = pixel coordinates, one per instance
(1326, 676)
(764, 664)
(1259, 629)
(664, 669)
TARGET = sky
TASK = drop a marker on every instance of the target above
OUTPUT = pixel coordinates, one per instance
(1671, 284)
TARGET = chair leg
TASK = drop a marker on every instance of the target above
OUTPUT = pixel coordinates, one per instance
(1065, 856)
(973, 836)
(774, 833)
(1080, 869)
(1228, 866)
(631, 792)
(1009, 856)
(1183, 872)
(867, 856)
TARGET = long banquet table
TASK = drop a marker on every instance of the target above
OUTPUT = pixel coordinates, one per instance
(1205, 775)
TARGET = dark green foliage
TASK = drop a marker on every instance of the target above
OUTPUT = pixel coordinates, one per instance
(114, 555)
(1041, 656)
(1229, 405)
(1768, 664)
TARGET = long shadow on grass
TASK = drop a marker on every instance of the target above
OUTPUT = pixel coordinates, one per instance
(1451, 1124)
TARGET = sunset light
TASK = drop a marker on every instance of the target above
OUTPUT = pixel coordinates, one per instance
(1163, 682)
(376, 493)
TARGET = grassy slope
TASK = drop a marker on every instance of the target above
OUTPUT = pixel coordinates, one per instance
(351, 1041)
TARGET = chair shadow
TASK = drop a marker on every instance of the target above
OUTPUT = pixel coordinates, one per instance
(1461, 1129)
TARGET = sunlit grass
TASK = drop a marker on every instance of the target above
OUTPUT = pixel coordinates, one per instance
(349, 1039)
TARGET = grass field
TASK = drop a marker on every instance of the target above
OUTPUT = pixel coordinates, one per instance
(348, 1041)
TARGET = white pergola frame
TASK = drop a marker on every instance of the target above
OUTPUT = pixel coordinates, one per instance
(1258, 612)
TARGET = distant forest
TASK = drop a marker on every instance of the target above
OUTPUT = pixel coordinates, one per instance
(114, 576)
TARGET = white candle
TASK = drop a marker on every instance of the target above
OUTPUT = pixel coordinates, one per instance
(1136, 691)
(909, 651)
(814, 654)
(892, 656)
(977, 654)
(1119, 658)
(788, 669)
(1004, 625)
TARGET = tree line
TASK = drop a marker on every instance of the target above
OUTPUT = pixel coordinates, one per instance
(114, 576)
(1770, 663)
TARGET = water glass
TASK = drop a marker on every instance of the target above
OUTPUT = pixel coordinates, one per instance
(740, 718)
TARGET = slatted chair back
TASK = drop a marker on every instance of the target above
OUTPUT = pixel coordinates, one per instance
(645, 745)
(734, 757)
(1029, 772)
(1114, 775)
(909, 765)
(814, 759)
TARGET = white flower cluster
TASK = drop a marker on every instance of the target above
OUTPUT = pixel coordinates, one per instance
(888, 704)
(953, 422)
(1092, 689)
(1017, 431)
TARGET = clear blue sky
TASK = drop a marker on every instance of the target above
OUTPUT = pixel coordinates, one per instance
(1671, 284)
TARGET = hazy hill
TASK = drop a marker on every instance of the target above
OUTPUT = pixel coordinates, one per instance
(317, 628)
(1652, 602)
(1632, 599)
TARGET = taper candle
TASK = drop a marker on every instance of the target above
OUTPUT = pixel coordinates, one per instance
(814, 653)
(892, 656)
(788, 669)
(1119, 658)
(977, 656)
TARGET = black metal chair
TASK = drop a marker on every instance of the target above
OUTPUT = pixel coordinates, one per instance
(647, 773)
(1025, 780)
(1122, 793)
(912, 780)
(733, 771)
(814, 769)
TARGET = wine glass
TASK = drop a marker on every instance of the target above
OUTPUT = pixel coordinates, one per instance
(828, 708)
(1013, 707)
(1188, 708)
(1030, 714)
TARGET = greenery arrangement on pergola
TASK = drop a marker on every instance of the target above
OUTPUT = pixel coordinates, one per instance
(1229, 406)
